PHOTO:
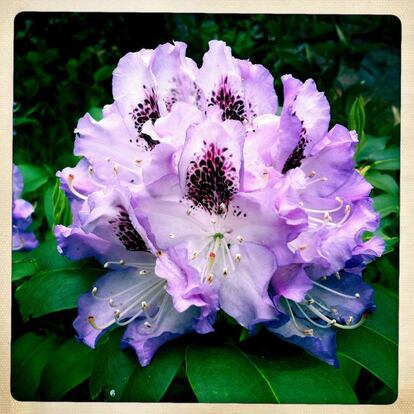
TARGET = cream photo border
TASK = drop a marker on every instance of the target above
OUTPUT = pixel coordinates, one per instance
(403, 9)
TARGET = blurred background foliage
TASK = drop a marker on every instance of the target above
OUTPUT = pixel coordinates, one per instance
(62, 68)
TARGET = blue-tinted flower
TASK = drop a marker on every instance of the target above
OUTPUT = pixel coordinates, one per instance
(22, 211)
(340, 301)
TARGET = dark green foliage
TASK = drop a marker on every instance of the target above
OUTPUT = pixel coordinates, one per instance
(62, 69)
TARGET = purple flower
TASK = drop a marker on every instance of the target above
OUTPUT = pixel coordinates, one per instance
(341, 301)
(135, 291)
(21, 216)
(233, 238)
(196, 197)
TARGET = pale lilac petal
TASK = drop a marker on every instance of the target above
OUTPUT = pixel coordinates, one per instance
(243, 295)
(259, 92)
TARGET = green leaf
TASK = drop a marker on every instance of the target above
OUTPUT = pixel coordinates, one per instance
(61, 208)
(103, 73)
(34, 177)
(44, 257)
(373, 352)
(350, 370)
(384, 321)
(96, 113)
(356, 121)
(29, 355)
(151, 383)
(68, 366)
(386, 204)
(219, 374)
(54, 290)
(25, 121)
(297, 377)
(23, 264)
(385, 165)
(371, 148)
(48, 205)
(382, 181)
(112, 368)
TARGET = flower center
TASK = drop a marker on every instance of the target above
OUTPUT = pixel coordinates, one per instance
(215, 258)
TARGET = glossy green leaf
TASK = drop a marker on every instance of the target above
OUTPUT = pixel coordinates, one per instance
(151, 382)
(373, 352)
(112, 368)
(48, 205)
(68, 366)
(54, 290)
(219, 374)
(371, 148)
(350, 370)
(297, 377)
(44, 257)
(61, 208)
(23, 264)
(383, 181)
(374, 345)
(384, 321)
(389, 164)
(29, 355)
(34, 177)
(386, 204)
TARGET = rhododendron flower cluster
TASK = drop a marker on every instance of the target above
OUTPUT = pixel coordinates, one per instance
(197, 197)
(22, 210)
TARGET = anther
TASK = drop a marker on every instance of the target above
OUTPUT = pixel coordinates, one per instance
(327, 217)
(189, 212)
(111, 302)
(71, 177)
(338, 276)
(237, 258)
(138, 162)
(143, 272)
(240, 239)
(147, 325)
(312, 174)
(210, 278)
(94, 291)
(357, 295)
(350, 320)
(308, 332)
(158, 253)
(144, 305)
(195, 254)
(90, 170)
(222, 207)
(172, 236)
(116, 169)
(310, 301)
(107, 159)
(117, 314)
(303, 247)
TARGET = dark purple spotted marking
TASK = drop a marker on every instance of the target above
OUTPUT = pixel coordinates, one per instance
(148, 109)
(126, 232)
(295, 158)
(185, 90)
(212, 179)
(232, 105)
